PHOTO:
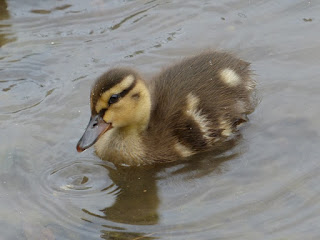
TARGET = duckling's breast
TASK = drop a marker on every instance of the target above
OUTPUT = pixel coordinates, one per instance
(121, 148)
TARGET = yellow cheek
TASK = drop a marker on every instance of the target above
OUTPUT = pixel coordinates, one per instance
(121, 114)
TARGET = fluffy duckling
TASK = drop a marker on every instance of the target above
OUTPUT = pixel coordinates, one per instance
(190, 107)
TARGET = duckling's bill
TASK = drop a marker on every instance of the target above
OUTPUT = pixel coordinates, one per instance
(96, 127)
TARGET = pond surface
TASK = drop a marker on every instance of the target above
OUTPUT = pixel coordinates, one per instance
(265, 187)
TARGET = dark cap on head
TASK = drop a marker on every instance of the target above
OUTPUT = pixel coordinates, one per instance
(107, 81)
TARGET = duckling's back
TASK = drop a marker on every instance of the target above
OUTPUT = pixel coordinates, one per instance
(200, 102)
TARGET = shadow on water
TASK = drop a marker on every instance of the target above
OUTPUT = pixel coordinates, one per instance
(5, 35)
(137, 200)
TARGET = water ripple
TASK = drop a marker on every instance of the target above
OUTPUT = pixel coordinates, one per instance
(78, 178)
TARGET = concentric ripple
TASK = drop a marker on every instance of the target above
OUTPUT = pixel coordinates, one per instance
(79, 177)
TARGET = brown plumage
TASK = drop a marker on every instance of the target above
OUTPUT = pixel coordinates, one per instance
(190, 107)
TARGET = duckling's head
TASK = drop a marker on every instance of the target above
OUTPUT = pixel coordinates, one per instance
(119, 99)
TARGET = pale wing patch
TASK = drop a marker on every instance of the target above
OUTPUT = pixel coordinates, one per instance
(230, 77)
(227, 130)
(118, 88)
(183, 150)
(197, 116)
(192, 102)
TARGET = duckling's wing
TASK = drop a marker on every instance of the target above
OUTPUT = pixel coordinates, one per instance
(202, 99)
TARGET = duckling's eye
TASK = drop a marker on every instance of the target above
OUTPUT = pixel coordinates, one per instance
(113, 99)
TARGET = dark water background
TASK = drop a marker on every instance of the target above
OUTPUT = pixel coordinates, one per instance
(266, 187)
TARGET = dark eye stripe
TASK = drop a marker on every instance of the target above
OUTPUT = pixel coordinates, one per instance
(106, 82)
(127, 90)
(116, 97)
(122, 94)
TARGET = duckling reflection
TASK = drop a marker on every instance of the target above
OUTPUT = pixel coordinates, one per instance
(137, 199)
(4, 14)
(138, 194)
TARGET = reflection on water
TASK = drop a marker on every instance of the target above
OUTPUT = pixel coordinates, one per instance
(136, 197)
(5, 34)
(43, 11)
(114, 201)
(264, 185)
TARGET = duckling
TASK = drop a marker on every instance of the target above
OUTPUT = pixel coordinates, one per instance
(191, 107)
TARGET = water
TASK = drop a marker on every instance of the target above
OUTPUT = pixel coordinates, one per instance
(265, 187)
